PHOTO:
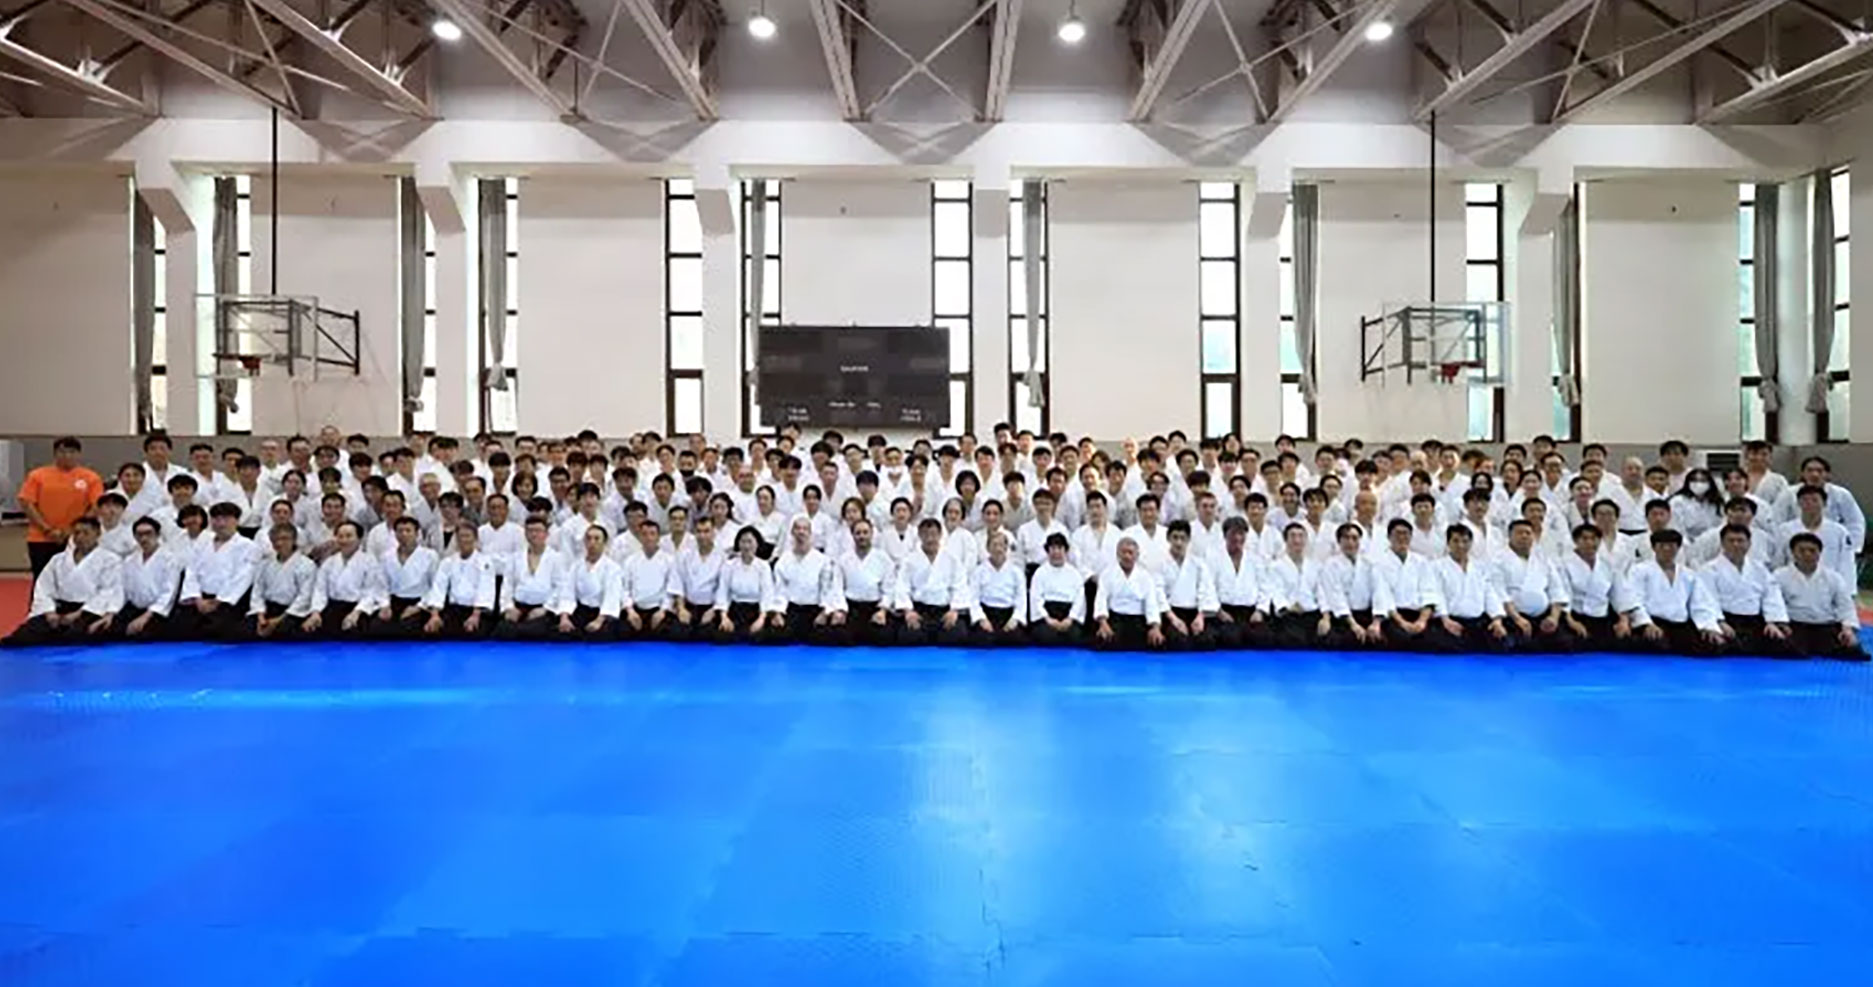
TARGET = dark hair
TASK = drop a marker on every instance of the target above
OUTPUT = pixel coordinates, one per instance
(67, 443)
(1179, 526)
(144, 522)
(1667, 537)
(1805, 538)
(88, 522)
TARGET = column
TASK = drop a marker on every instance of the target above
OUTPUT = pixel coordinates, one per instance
(988, 339)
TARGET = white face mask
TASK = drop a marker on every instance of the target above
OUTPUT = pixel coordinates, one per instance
(1698, 487)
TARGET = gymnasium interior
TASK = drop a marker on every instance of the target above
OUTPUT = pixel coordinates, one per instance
(1612, 222)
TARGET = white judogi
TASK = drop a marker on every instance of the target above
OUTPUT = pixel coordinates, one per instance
(358, 580)
(223, 570)
(1131, 594)
(1057, 584)
(1817, 598)
(95, 581)
(464, 582)
(543, 582)
(1678, 597)
(289, 583)
(152, 582)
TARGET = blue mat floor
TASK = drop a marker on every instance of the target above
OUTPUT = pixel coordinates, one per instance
(479, 814)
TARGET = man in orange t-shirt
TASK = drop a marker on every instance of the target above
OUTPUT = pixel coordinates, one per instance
(54, 497)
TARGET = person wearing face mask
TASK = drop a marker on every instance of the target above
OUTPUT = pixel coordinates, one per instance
(1697, 507)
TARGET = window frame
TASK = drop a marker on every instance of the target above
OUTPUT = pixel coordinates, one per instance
(1016, 263)
(1286, 330)
(1497, 396)
(673, 198)
(1207, 194)
(1824, 420)
(966, 376)
(773, 190)
(486, 401)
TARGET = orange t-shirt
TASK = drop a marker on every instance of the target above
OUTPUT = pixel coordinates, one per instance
(62, 496)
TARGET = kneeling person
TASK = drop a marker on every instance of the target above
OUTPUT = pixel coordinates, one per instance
(1346, 592)
(151, 577)
(645, 571)
(536, 590)
(283, 587)
(76, 594)
(998, 597)
(350, 589)
(598, 593)
(1127, 606)
(867, 578)
(1823, 620)
(1056, 597)
(1190, 604)
(461, 598)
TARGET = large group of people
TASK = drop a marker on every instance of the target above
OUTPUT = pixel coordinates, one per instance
(1028, 539)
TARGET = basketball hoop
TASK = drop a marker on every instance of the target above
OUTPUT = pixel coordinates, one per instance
(1448, 372)
(251, 364)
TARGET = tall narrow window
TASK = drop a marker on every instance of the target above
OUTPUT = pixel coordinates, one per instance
(500, 409)
(1831, 425)
(1482, 282)
(424, 420)
(1020, 399)
(682, 307)
(769, 254)
(159, 332)
(1219, 303)
(1755, 423)
(952, 289)
(1298, 418)
(239, 420)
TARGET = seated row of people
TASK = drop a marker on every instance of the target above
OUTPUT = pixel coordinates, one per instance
(220, 586)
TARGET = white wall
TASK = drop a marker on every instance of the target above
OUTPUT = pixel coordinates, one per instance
(1124, 357)
(855, 252)
(1659, 311)
(1375, 253)
(591, 334)
(338, 242)
(65, 304)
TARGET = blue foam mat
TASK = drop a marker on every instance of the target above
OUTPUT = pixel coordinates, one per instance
(660, 815)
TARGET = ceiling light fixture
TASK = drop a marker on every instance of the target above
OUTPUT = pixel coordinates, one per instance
(1072, 30)
(761, 25)
(1378, 31)
(445, 29)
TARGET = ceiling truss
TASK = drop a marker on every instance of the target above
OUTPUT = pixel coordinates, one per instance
(269, 51)
(1297, 27)
(838, 42)
(1003, 32)
(1160, 31)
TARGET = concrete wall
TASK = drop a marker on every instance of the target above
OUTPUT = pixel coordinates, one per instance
(1659, 311)
(338, 243)
(856, 252)
(65, 304)
(591, 334)
(1124, 357)
(1375, 254)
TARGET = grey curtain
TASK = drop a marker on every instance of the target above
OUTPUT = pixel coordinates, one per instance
(1765, 273)
(1033, 230)
(1567, 301)
(226, 258)
(415, 300)
(757, 281)
(1306, 282)
(492, 222)
(143, 290)
(1822, 311)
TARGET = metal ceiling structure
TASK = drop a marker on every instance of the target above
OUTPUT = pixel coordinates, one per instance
(1723, 61)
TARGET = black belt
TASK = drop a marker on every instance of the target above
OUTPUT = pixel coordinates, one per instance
(1058, 610)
